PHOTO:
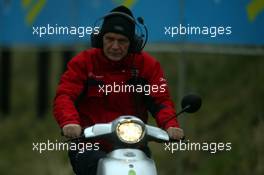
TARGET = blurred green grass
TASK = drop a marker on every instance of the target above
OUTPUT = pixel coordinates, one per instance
(232, 90)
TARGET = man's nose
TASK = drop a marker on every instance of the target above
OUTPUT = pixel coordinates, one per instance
(115, 45)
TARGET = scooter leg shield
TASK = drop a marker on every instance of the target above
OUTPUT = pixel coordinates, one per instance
(126, 162)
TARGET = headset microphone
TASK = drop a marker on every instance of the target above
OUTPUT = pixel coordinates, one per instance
(140, 20)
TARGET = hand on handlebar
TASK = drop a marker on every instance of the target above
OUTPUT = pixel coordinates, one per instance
(175, 133)
(72, 130)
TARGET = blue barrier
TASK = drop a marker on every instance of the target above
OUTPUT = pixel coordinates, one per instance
(208, 21)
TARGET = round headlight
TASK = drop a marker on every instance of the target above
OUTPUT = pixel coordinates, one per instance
(130, 132)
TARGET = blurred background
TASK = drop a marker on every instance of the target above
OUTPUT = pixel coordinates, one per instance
(226, 70)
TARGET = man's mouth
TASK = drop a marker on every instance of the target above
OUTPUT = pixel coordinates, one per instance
(115, 54)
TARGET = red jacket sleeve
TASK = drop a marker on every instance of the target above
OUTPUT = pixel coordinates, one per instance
(69, 88)
(160, 95)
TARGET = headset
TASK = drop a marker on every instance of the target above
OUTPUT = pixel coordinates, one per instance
(139, 40)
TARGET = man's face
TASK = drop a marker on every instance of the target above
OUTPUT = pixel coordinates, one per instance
(115, 46)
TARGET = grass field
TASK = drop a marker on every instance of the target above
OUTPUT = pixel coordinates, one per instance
(232, 89)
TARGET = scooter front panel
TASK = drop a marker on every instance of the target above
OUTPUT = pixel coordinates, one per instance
(126, 162)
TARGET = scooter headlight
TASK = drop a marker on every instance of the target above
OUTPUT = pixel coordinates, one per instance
(130, 132)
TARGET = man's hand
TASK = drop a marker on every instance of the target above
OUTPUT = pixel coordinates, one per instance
(175, 133)
(72, 130)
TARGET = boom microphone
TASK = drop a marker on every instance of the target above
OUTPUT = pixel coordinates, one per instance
(140, 20)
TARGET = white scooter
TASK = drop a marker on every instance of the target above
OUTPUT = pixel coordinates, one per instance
(126, 133)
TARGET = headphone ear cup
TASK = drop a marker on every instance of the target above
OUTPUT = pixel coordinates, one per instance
(136, 46)
(96, 40)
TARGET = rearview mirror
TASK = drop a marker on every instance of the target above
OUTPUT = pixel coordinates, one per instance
(191, 103)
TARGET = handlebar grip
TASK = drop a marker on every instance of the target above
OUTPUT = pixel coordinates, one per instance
(176, 140)
(77, 139)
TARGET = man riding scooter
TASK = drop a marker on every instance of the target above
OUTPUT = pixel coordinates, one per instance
(87, 93)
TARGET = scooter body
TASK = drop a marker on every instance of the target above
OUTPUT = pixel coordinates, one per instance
(127, 159)
(126, 162)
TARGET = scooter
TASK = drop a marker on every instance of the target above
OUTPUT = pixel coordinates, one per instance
(127, 133)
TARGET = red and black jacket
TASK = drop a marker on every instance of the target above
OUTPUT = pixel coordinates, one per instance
(81, 100)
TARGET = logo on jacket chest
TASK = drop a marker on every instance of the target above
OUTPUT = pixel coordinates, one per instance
(110, 77)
